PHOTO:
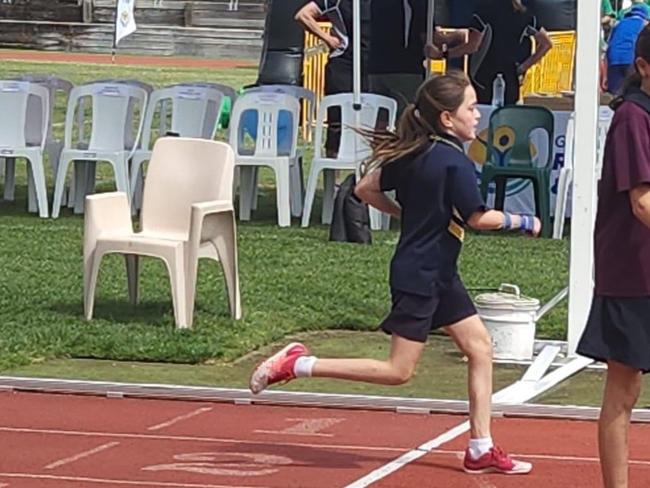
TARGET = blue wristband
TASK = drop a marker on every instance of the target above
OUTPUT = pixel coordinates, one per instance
(527, 224)
(507, 221)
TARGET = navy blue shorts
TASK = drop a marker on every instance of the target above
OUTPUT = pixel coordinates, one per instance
(618, 329)
(414, 316)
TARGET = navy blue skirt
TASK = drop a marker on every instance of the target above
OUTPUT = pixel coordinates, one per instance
(618, 329)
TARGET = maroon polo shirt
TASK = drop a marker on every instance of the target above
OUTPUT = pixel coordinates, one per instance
(622, 242)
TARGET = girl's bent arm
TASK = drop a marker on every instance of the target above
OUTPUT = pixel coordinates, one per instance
(369, 190)
(494, 220)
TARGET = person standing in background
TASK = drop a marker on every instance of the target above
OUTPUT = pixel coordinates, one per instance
(398, 48)
(620, 49)
(618, 326)
(339, 69)
(512, 26)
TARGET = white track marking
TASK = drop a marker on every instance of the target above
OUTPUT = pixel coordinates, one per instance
(81, 455)
(225, 463)
(409, 457)
(306, 427)
(305, 434)
(345, 447)
(545, 457)
(113, 482)
(180, 418)
(178, 438)
(517, 393)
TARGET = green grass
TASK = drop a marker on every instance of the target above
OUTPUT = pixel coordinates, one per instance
(292, 280)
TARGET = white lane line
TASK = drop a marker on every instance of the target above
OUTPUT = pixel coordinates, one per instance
(81, 455)
(545, 457)
(344, 447)
(114, 482)
(281, 432)
(217, 440)
(409, 457)
(180, 418)
(517, 393)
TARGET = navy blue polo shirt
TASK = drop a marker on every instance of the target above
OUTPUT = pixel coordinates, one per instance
(438, 192)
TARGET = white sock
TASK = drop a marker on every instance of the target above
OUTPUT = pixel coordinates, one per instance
(478, 447)
(303, 366)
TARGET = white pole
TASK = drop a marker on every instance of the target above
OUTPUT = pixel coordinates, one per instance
(584, 179)
(356, 68)
(431, 10)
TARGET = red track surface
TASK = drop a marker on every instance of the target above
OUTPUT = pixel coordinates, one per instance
(65, 441)
(121, 59)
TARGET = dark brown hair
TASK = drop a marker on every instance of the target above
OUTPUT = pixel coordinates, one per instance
(420, 120)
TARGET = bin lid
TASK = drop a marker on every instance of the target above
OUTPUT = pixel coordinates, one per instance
(507, 298)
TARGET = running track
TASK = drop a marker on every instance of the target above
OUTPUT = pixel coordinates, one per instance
(65, 441)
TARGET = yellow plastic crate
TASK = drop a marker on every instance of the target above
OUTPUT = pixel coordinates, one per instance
(554, 74)
(313, 73)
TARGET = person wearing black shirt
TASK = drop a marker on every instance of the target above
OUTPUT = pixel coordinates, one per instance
(511, 25)
(339, 69)
(396, 67)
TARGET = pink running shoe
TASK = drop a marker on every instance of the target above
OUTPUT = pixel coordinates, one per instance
(277, 368)
(495, 461)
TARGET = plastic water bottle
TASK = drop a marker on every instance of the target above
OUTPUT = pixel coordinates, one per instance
(498, 90)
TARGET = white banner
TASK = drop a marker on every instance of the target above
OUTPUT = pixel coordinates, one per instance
(124, 20)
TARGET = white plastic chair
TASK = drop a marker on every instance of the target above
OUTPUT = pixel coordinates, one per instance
(285, 162)
(305, 95)
(53, 146)
(83, 178)
(227, 90)
(347, 158)
(301, 93)
(565, 178)
(18, 132)
(194, 113)
(112, 107)
(187, 214)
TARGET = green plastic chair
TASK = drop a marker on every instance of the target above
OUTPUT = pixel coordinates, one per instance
(515, 160)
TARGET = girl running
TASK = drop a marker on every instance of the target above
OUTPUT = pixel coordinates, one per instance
(437, 196)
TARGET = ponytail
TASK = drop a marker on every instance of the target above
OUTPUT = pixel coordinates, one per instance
(419, 122)
(411, 137)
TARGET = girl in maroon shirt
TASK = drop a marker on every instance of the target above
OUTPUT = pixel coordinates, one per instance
(618, 327)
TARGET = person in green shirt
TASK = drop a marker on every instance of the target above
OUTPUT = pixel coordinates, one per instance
(606, 9)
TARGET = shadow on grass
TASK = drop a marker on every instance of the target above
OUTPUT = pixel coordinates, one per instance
(146, 312)
(119, 311)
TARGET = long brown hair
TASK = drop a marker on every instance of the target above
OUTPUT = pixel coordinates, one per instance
(641, 50)
(419, 121)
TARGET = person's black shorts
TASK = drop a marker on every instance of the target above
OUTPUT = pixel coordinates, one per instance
(414, 316)
(618, 329)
